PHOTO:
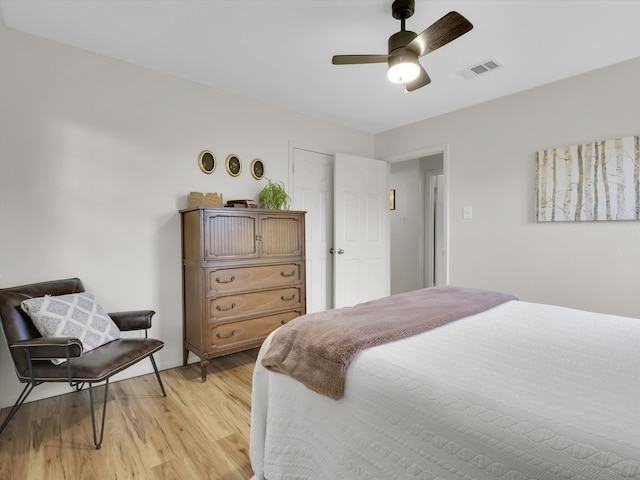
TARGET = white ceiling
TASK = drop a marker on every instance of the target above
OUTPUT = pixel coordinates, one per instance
(279, 51)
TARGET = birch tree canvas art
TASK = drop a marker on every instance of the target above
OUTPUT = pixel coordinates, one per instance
(589, 182)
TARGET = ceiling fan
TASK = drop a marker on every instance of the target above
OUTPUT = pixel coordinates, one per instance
(405, 46)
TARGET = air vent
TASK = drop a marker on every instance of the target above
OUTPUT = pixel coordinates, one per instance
(481, 68)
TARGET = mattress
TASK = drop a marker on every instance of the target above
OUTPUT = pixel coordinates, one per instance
(520, 391)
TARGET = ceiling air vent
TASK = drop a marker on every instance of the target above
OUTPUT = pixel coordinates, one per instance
(479, 69)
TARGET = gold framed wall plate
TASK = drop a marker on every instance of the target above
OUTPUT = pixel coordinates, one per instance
(257, 169)
(234, 166)
(207, 161)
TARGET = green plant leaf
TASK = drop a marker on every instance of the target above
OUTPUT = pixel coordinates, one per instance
(274, 196)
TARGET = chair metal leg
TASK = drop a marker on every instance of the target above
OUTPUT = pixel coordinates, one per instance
(155, 369)
(23, 396)
(97, 443)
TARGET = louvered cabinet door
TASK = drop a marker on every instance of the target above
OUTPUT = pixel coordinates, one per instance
(230, 236)
(281, 235)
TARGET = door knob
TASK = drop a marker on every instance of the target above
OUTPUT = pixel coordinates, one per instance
(340, 251)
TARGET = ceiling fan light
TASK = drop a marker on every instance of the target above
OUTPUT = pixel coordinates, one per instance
(403, 69)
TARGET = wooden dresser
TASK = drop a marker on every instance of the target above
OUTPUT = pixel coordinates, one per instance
(243, 275)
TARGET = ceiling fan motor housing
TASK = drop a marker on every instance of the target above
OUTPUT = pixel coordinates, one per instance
(399, 40)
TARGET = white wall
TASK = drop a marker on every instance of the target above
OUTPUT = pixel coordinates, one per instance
(407, 225)
(593, 266)
(96, 158)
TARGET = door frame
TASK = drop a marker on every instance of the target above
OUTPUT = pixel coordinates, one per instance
(425, 152)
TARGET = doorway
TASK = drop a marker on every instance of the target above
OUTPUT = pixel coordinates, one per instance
(419, 224)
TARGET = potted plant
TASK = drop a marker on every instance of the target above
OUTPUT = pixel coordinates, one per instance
(274, 196)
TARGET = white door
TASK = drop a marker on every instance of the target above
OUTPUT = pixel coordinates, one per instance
(361, 226)
(313, 193)
(434, 259)
(439, 254)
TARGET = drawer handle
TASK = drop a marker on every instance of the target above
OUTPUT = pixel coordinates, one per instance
(220, 309)
(233, 332)
(283, 322)
(293, 272)
(233, 279)
(285, 299)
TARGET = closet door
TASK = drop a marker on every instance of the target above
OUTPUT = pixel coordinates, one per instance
(361, 230)
(313, 193)
(347, 203)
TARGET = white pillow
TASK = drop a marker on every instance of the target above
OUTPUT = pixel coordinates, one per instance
(75, 315)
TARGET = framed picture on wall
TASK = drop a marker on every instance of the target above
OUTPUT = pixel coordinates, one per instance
(257, 169)
(234, 166)
(594, 181)
(207, 161)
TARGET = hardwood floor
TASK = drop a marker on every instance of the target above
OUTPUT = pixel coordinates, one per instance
(199, 431)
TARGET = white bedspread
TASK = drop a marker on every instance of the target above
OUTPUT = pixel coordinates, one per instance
(521, 391)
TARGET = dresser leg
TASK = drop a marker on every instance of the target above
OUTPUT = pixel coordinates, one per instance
(204, 364)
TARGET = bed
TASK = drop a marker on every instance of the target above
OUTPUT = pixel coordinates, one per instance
(517, 391)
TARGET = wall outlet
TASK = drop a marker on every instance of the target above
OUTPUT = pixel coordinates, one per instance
(467, 212)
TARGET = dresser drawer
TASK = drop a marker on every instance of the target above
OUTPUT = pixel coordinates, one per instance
(228, 279)
(247, 330)
(252, 302)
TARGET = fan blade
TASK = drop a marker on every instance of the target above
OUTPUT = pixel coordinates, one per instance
(422, 80)
(445, 30)
(356, 59)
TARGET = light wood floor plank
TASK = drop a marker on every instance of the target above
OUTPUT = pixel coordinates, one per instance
(199, 431)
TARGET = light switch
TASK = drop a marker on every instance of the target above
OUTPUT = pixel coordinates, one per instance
(467, 212)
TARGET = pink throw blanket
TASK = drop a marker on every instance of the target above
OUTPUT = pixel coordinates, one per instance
(317, 348)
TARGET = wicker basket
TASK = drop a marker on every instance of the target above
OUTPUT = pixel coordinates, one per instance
(210, 200)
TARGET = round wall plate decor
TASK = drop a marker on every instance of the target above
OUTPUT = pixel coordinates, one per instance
(207, 161)
(257, 169)
(234, 166)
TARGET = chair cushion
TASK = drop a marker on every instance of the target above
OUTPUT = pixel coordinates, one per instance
(98, 364)
(76, 315)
